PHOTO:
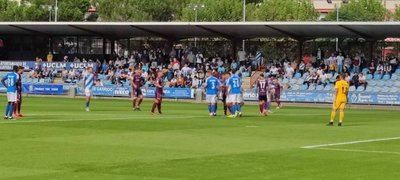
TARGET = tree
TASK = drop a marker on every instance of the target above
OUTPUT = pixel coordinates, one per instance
(284, 10)
(121, 10)
(221, 10)
(396, 14)
(360, 10)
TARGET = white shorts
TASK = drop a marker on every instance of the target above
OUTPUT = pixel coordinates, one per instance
(212, 99)
(88, 92)
(234, 98)
(11, 97)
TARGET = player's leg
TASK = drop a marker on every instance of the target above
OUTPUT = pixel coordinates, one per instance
(333, 113)
(88, 95)
(19, 105)
(139, 102)
(261, 106)
(214, 105)
(278, 100)
(225, 105)
(159, 105)
(208, 100)
(155, 103)
(134, 98)
(7, 110)
(341, 113)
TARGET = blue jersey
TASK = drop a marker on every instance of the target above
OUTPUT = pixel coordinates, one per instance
(11, 82)
(235, 84)
(89, 81)
(212, 85)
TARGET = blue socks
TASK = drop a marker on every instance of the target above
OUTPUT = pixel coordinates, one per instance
(9, 109)
(212, 108)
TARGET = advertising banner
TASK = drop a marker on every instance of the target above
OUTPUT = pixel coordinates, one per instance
(175, 93)
(326, 97)
(49, 89)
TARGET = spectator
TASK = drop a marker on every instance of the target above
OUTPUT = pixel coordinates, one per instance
(362, 80)
(371, 68)
(387, 69)
(356, 64)
(379, 68)
(302, 68)
(340, 61)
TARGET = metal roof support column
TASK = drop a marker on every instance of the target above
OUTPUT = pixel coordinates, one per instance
(300, 50)
(371, 44)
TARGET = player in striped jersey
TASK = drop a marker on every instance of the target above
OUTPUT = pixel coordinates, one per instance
(88, 85)
(262, 86)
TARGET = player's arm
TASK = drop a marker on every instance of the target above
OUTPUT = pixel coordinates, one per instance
(3, 81)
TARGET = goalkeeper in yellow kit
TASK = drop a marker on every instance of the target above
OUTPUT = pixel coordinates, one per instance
(339, 99)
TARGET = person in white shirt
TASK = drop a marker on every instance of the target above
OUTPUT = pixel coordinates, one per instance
(289, 71)
(242, 57)
(339, 62)
(186, 70)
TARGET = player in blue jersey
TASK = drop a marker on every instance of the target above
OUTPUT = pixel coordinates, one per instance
(10, 82)
(212, 86)
(234, 84)
(88, 81)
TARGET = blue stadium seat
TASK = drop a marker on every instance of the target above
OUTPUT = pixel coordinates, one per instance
(352, 88)
(389, 84)
(394, 90)
(376, 89)
(300, 81)
(328, 87)
(369, 76)
(285, 81)
(369, 89)
(395, 77)
(312, 87)
(372, 82)
(380, 83)
(386, 77)
(320, 88)
(365, 70)
(397, 84)
(293, 81)
(295, 87)
(360, 88)
(378, 76)
(303, 87)
(397, 71)
(297, 75)
(385, 89)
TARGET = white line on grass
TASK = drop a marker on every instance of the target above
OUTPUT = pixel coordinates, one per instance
(105, 119)
(349, 142)
(359, 150)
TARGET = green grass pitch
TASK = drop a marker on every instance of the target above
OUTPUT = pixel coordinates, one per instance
(59, 140)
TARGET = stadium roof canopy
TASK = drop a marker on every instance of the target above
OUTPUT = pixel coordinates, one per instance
(182, 30)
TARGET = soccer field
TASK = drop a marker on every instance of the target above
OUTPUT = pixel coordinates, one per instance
(59, 140)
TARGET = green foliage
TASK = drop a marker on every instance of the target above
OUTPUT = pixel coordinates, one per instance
(396, 14)
(221, 10)
(284, 10)
(360, 10)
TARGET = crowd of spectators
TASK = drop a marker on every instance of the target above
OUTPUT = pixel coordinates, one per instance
(318, 71)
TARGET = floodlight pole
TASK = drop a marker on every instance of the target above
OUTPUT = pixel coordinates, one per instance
(337, 20)
(244, 20)
(195, 8)
(56, 11)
